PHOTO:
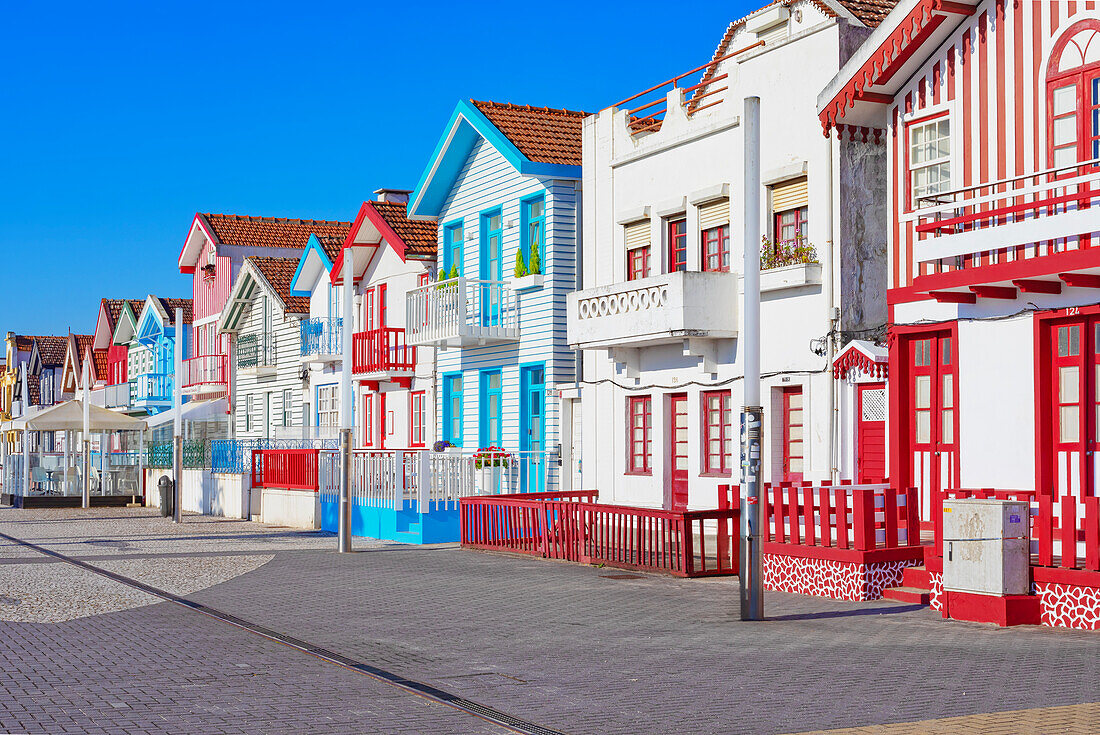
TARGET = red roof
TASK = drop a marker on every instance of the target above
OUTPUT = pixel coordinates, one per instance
(279, 273)
(101, 365)
(170, 306)
(33, 392)
(114, 308)
(331, 244)
(869, 12)
(419, 236)
(269, 232)
(52, 350)
(543, 134)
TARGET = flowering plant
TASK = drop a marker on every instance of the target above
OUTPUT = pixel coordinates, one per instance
(791, 252)
(440, 445)
(490, 457)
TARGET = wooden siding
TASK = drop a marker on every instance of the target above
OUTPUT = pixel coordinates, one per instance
(209, 297)
(286, 333)
(485, 182)
(990, 75)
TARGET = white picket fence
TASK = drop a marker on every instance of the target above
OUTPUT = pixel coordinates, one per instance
(388, 479)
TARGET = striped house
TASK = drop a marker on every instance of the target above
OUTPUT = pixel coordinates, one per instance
(504, 186)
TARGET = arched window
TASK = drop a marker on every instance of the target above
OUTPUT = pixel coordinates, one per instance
(1073, 96)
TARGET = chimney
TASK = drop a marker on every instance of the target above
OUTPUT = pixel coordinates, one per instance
(397, 196)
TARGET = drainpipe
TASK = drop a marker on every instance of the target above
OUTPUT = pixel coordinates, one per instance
(830, 321)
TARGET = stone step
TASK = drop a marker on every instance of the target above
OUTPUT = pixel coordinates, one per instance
(907, 594)
(917, 577)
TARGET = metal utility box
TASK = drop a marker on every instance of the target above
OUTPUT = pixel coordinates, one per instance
(986, 548)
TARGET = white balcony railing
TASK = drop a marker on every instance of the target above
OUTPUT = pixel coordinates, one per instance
(1045, 212)
(655, 310)
(461, 311)
(116, 396)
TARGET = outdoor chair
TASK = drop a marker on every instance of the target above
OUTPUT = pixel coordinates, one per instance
(39, 478)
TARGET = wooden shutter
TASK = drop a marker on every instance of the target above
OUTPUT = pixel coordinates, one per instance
(637, 235)
(714, 214)
(789, 195)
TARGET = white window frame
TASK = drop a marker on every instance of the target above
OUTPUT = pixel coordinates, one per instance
(932, 119)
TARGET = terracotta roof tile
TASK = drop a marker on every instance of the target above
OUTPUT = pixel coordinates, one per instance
(419, 236)
(542, 134)
(270, 232)
(332, 245)
(33, 391)
(170, 306)
(102, 367)
(279, 272)
(52, 350)
(24, 342)
(869, 12)
(114, 307)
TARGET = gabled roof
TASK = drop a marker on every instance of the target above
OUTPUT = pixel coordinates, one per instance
(34, 392)
(385, 222)
(279, 272)
(101, 365)
(169, 306)
(275, 276)
(536, 141)
(127, 322)
(248, 231)
(871, 359)
(51, 350)
(315, 261)
(869, 12)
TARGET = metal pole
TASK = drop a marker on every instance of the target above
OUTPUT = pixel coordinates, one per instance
(752, 586)
(177, 420)
(827, 290)
(343, 523)
(86, 499)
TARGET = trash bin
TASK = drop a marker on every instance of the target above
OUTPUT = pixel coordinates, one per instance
(167, 495)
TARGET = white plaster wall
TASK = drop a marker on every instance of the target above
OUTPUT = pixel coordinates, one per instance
(293, 508)
(224, 495)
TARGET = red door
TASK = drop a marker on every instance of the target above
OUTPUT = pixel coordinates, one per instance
(792, 435)
(678, 450)
(871, 433)
(1073, 421)
(933, 446)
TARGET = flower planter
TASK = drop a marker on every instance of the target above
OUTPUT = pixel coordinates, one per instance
(790, 276)
(488, 480)
(527, 283)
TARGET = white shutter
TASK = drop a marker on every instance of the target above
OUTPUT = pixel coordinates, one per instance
(790, 195)
(714, 214)
(637, 235)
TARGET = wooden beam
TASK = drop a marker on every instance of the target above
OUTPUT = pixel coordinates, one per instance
(1031, 285)
(875, 97)
(953, 297)
(994, 292)
(1080, 280)
(947, 6)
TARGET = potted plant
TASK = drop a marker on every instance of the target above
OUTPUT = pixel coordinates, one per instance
(528, 277)
(489, 463)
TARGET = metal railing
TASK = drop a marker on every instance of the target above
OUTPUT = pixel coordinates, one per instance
(382, 350)
(205, 372)
(255, 350)
(151, 388)
(118, 395)
(321, 336)
(461, 308)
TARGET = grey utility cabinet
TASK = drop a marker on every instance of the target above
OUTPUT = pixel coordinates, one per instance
(986, 548)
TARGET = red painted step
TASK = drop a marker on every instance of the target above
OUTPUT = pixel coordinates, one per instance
(911, 595)
(916, 577)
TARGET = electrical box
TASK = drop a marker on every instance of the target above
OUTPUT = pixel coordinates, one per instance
(986, 546)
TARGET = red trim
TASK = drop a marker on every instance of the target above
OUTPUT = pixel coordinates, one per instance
(1044, 265)
(994, 292)
(1080, 280)
(414, 412)
(639, 463)
(953, 297)
(725, 432)
(1036, 286)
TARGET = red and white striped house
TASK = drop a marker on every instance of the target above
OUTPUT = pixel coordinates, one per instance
(990, 112)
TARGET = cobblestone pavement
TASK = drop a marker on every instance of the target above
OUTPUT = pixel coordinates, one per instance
(577, 649)
(1074, 718)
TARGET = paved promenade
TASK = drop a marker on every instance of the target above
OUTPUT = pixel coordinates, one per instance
(560, 647)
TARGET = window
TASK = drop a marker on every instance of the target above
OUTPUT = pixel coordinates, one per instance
(328, 405)
(452, 409)
(369, 313)
(452, 248)
(249, 407)
(368, 420)
(1073, 96)
(416, 419)
(534, 230)
(637, 250)
(640, 431)
(791, 227)
(929, 158)
(716, 249)
(288, 407)
(491, 409)
(677, 245)
(717, 432)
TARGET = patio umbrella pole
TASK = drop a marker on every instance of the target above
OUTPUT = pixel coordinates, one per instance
(343, 521)
(26, 442)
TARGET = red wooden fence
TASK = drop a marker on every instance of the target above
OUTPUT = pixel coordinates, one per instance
(572, 527)
(293, 469)
(382, 350)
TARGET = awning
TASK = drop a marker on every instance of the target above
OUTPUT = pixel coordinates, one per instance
(192, 411)
(69, 416)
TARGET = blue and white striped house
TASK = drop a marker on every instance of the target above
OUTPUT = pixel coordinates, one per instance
(504, 186)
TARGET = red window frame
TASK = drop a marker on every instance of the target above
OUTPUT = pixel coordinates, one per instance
(368, 310)
(677, 245)
(789, 474)
(718, 419)
(637, 263)
(801, 222)
(422, 279)
(1081, 77)
(381, 306)
(716, 248)
(639, 449)
(367, 420)
(416, 419)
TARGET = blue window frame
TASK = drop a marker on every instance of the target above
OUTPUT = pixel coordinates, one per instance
(452, 247)
(533, 230)
(492, 266)
(533, 408)
(490, 408)
(452, 408)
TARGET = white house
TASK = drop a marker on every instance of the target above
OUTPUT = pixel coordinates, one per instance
(658, 316)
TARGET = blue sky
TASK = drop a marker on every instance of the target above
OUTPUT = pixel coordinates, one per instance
(124, 119)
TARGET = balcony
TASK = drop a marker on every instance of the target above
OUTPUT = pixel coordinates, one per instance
(115, 396)
(657, 310)
(321, 340)
(205, 375)
(256, 355)
(151, 389)
(1031, 233)
(462, 312)
(381, 354)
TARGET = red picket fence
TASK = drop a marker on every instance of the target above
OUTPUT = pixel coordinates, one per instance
(573, 527)
(845, 517)
(382, 350)
(292, 469)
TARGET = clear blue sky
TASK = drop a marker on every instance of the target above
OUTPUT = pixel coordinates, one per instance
(122, 120)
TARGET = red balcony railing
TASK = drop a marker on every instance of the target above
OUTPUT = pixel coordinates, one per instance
(205, 372)
(382, 350)
(290, 469)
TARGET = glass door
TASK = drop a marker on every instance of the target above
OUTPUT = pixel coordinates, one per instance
(678, 450)
(933, 447)
(492, 268)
